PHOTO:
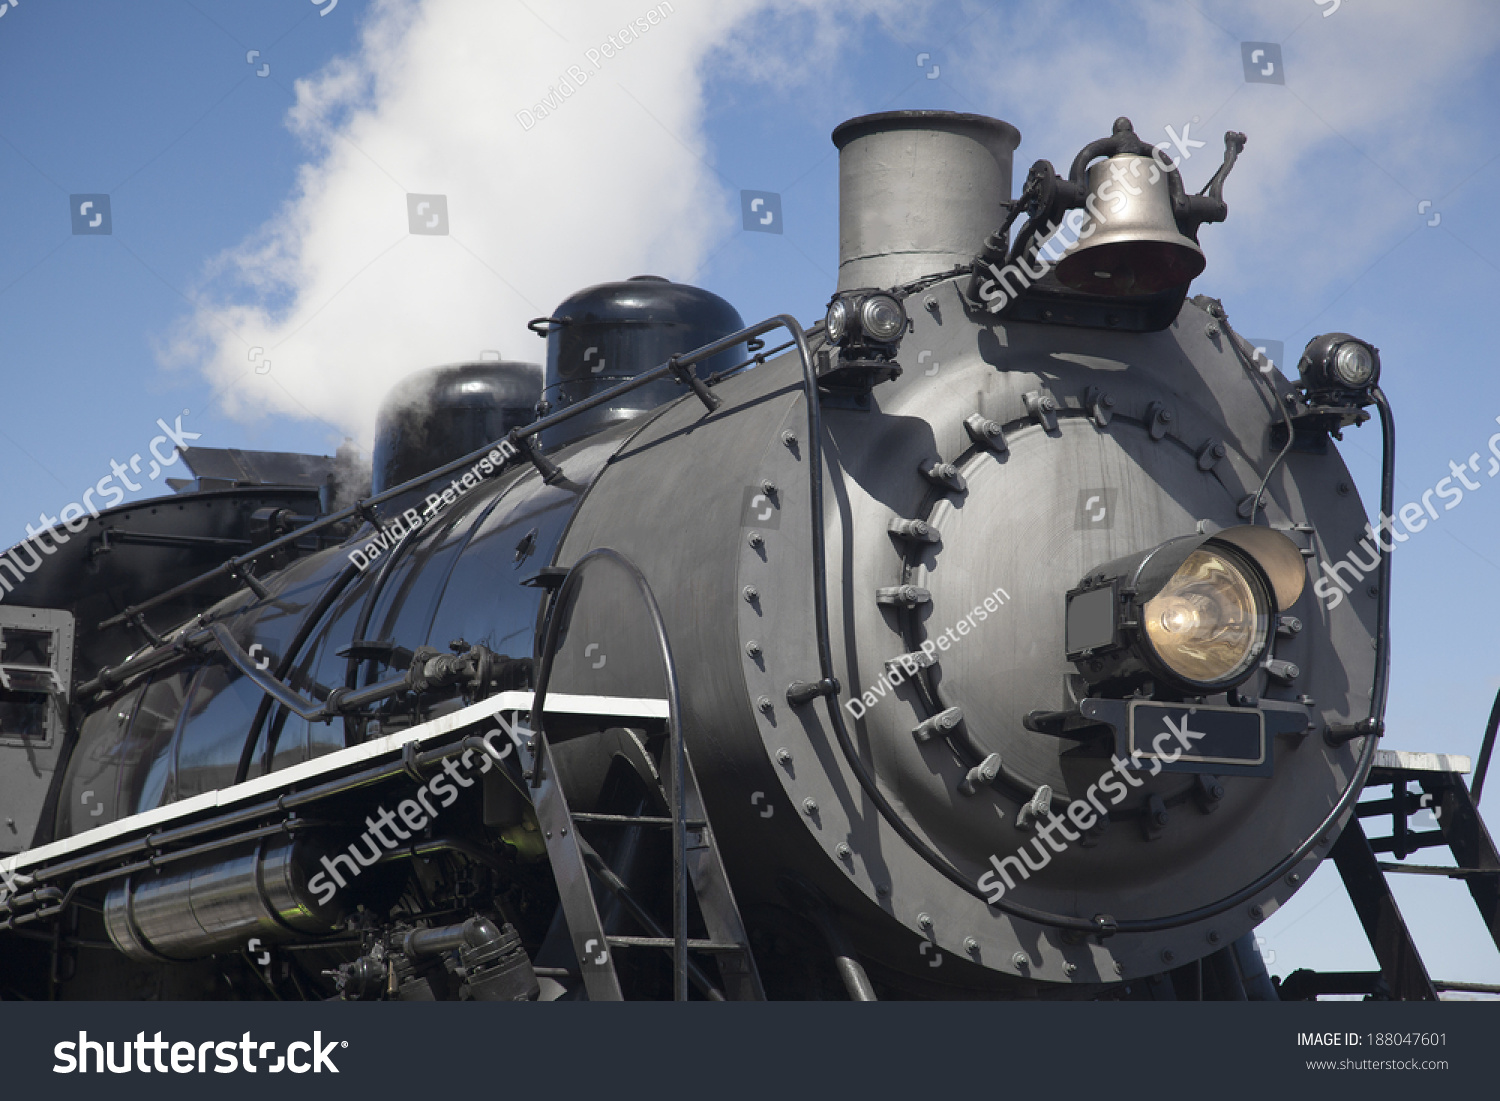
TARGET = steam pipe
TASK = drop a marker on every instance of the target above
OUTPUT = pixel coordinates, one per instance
(309, 624)
(279, 805)
(112, 676)
(237, 566)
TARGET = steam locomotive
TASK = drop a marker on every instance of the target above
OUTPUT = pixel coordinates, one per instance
(958, 646)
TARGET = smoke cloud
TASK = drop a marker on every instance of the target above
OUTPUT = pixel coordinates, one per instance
(553, 145)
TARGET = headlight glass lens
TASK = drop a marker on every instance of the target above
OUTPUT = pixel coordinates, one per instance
(837, 321)
(1353, 365)
(1208, 624)
(882, 317)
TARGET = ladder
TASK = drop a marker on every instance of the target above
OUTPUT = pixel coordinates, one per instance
(697, 864)
(1440, 779)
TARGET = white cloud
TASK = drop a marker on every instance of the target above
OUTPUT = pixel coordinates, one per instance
(614, 181)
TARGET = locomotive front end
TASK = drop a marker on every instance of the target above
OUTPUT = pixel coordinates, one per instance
(1092, 722)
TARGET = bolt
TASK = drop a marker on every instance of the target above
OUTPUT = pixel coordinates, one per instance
(1119, 968)
(1020, 961)
(1048, 404)
(883, 889)
(1373, 590)
(971, 946)
(764, 703)
(1213, 936)
(924, 920)
(810, 806)
(930, 304)
(1293, 878)
(1166, 416)
(1167, 955)
(1257, 911)
(1324, 841)
(1047, 315)
(755, 539)
(1343, 488)
(768, 487)
(844, 851)
(789, 438)
(784, 756)
(752, 648)
(751, 594)
(1211, 330)
(1070, 969)
(1219, 451)
(1109, 403)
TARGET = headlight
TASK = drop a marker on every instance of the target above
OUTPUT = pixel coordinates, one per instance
(868, 318)
(837, 321)
(1209, 622)
(1195, 614)
(1353, 365)
(1338, 369)
(882, 318)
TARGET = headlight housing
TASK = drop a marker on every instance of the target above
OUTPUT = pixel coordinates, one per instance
(868, 320)
(1195, 613)
(1339, 369)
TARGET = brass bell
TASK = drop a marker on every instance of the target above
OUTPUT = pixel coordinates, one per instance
(1128, 242)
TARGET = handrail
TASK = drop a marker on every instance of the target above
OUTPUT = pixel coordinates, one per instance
(517, 438)
(544, 661)
(1476, 785)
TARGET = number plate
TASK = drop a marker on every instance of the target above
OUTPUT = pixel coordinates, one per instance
(1195, 738)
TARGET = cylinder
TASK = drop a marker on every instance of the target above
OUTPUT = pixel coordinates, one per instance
(919, 191)
(219, 905)
(445, 413)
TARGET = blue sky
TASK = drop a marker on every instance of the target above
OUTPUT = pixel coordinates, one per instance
(269, 212)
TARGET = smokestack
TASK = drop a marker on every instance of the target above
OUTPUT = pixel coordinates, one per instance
(918, 192)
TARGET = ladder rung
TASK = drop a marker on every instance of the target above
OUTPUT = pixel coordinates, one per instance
(1435, 869)
(1411, 842)
(668, 942)
(636, 820)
